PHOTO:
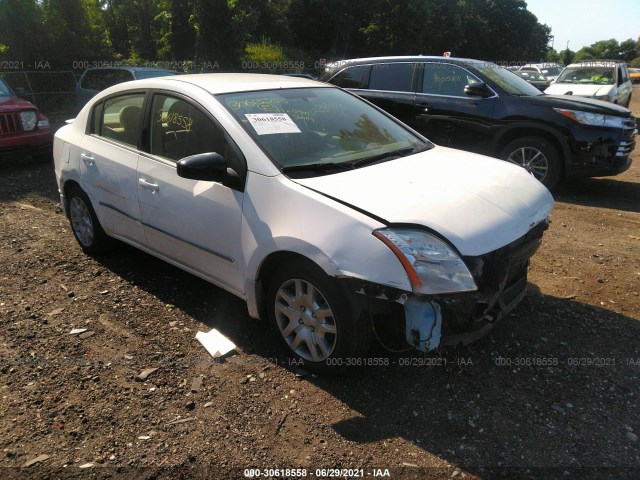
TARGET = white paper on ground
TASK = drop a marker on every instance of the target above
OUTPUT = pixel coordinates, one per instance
(215, 343)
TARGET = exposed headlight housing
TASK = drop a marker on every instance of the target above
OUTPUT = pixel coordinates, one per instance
(433, 267)
(29, 120)
(604, 98)
(588, 118)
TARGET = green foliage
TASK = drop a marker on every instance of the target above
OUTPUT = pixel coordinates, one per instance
(21, 30)
(395, 27)
(610, 50)
(553, 56)
(567, 56)
(222, 32)
(265, 51)
(74, 31)
(215, 38)
(635, 63)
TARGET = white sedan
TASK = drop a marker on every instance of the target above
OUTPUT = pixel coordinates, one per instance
(329, 217)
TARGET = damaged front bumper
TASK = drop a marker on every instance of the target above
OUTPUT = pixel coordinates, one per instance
(603, 152)
(429, 321)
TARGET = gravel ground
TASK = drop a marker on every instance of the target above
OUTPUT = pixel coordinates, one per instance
(553, 392)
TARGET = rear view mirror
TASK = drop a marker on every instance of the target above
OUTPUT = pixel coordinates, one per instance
(20, 92)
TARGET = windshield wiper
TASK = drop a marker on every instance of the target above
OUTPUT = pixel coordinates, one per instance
(317, 167)
(384, 157)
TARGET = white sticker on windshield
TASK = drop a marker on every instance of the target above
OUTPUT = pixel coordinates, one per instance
(272, 123)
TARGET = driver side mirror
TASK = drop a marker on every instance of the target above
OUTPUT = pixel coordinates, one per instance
(20, 92)
(479, 89)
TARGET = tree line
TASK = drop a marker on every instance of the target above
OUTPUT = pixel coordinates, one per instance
(223, 34)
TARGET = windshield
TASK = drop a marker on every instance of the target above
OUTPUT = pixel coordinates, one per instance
(4, 89)
(317, 128)
(588, 75)
(552, 71)
(531, 75)
(506, 80)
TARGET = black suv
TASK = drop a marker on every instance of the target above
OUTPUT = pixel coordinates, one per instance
(481, 107)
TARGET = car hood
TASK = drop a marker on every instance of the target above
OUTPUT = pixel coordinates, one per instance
(573, 102)
(13, 104)
(478, 203)
(583, 90)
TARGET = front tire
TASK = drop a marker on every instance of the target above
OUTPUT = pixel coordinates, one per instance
(85, 225)
(536, 155)
(313, 320)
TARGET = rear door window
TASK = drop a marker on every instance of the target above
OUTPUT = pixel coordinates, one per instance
(394, 77)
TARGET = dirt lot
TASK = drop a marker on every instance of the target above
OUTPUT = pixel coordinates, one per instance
(554, 391)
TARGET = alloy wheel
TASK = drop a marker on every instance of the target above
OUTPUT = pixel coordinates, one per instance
(305, 320)
(81, 221)
(532, 160)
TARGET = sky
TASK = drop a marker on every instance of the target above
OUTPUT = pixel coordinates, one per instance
(583, 22)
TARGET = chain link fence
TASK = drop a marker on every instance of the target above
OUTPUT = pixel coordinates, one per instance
(53, 92)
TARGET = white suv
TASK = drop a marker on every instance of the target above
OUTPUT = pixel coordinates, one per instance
(599, 79)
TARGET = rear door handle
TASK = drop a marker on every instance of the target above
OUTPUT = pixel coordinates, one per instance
(425, 107)
(148, 185)
(88, 160)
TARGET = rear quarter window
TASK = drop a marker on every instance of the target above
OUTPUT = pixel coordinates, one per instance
(350, 77)
(118, 118)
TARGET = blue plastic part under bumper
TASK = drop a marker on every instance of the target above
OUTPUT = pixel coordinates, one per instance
(423, 323)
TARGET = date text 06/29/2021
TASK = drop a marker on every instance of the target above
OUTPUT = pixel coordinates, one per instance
(316, 473)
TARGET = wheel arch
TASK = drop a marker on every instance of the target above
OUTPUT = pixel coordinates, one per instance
(67, 187)
(525, 130)
(268, 267)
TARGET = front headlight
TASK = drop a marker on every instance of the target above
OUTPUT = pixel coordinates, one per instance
(588, 118)
(433, 267)
(29, 120)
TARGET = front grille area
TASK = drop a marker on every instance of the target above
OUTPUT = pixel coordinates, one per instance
(10, 123)
(501, 277)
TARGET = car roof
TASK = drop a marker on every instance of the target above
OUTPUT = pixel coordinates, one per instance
(131, 69)
(542, 64)
(596, 63)
(407, 58)
(216, 83)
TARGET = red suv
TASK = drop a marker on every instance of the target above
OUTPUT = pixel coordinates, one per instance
(23, 129)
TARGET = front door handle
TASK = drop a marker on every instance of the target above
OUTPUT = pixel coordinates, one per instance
(88, 160)
(148, 185)
(425, 107)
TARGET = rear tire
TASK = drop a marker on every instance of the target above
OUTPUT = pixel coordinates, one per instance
(313, 321)
(538, 156)
(85, 224)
